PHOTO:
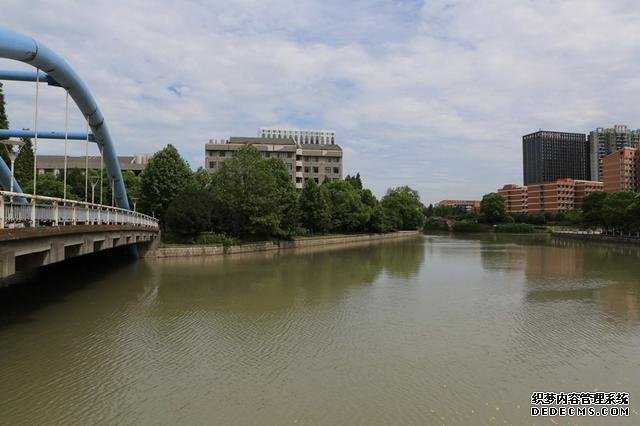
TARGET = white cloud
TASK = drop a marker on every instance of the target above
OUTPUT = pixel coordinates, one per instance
(434, 95)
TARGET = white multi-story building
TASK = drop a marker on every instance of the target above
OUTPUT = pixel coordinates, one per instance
(603, 142)
(300, 136)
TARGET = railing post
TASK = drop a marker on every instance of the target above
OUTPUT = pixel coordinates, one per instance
(86, 220)
(74, 215)
(116, 219)
(33, 213)
(1, 211)
(55, 213)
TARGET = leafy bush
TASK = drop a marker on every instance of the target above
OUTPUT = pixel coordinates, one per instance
(466, 226)
(213, 238)
(516, 228)
(434, 224)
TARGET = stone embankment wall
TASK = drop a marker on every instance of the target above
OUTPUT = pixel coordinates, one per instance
(216, 250)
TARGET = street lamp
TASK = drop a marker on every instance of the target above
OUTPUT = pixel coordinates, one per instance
(8, 146)
(93, 190)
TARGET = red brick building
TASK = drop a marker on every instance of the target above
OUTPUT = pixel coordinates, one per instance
(620, 170)
(551, 197)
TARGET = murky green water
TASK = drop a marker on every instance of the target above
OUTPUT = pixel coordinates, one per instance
(423, 331)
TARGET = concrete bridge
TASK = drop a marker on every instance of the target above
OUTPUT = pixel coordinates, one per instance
(36, 230)
(49, 230)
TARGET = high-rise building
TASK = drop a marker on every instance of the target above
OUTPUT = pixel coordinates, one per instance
(603, 142)
(548, 156)
(559, 196)
(300, 136)
(620, 170)
(303, 161)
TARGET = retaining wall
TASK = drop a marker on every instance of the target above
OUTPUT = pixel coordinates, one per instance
(217, 250)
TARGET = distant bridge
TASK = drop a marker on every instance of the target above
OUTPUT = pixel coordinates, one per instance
(36, 230)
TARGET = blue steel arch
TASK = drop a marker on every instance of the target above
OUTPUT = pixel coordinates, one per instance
(25, 49)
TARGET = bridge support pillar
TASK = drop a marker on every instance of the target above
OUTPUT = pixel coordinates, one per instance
(87, 245)
(7, 263)
(57, 252)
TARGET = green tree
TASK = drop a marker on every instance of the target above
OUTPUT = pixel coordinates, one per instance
(356, 181)
(201, 178)
(166, 175)
(24, 166)
(254, 198)
(49, 185)
(189, 213)
(314, 210)
(615, 210)
(347, 211)
(133, 185)
(492, 208)
(592, 209)
(403, 208)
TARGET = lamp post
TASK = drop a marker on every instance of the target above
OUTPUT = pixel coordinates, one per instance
(93, 190)
(8, 146)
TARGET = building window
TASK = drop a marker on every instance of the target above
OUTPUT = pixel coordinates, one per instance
(212, 164)
(306, 169)
(327, 169)
(289, 154)
(222, 154)
(336, 170)
(315, 170)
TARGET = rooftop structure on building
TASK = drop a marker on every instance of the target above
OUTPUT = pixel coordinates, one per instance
(548, 156)
(300, 136)
(603, 142)
(304, 161)
(560, 196)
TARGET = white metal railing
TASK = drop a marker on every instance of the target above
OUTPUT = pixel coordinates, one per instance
(50, 211)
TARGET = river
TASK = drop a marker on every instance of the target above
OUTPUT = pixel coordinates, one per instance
(433, 330)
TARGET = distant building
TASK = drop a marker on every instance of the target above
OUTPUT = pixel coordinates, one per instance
(548, 156)
(603, 142)
(559, 196)
(468, 205)
(303, 161)
(55, 163)
(620, 170)
(300, 136)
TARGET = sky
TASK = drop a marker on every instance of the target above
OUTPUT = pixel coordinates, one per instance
(434, 94)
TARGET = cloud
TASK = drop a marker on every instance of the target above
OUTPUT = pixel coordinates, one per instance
(433, 94)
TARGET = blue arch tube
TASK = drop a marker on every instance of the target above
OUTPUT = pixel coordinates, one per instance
(25, 49)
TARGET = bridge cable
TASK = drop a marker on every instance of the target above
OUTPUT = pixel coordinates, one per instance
(35, 125)
(101, 172)
(66, 142)
(86, 167)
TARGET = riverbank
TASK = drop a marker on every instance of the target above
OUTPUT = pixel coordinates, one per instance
(601, 238)
(164, 251)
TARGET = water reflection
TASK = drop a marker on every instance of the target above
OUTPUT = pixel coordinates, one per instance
(281, 280)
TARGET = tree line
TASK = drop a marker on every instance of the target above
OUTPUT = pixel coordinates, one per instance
(613, 212)
(252, 198)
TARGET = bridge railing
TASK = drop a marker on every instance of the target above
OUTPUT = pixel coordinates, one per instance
(51, 211)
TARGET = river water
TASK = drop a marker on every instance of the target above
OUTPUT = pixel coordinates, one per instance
(433, 330)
